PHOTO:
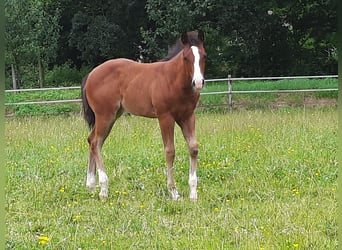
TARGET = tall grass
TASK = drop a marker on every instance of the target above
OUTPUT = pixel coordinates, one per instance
(267, 181)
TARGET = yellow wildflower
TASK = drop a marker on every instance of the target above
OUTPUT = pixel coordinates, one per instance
(43, 240)
(77, 217)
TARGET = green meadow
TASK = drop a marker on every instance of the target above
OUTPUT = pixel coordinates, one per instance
(267, 180)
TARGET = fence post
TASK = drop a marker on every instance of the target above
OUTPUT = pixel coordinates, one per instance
(230, 94)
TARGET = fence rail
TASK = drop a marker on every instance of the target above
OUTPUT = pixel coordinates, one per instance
(229, 90)
(270, 78)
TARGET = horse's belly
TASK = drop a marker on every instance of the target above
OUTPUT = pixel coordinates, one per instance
(139, 107)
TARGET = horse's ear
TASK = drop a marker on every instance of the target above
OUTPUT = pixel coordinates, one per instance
(201, 36)
(184, 38)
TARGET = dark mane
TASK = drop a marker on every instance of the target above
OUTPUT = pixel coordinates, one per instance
(173, 50)
(177, 47)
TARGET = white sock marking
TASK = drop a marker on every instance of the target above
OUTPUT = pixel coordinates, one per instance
(103, 181)
(193, 186)
(175, 194)
(91, 181)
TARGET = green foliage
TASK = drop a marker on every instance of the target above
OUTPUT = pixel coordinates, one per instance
(170, 19)
(32, 32)
(243, 38)
(267, 180)
(65, 75)
(249, 38)
(101, 31)
(108, 37)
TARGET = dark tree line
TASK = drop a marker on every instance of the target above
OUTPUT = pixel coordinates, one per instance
(243, 37)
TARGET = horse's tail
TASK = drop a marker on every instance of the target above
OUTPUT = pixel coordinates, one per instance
(88, 113)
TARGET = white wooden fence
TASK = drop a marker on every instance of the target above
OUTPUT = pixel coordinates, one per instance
(229, 90)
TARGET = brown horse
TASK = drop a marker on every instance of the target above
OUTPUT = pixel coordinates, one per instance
(167, 90)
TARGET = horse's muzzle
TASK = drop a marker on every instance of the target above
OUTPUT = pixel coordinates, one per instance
(198, 84)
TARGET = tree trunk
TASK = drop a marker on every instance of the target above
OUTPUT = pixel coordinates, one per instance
(41, 73)
(14, 77)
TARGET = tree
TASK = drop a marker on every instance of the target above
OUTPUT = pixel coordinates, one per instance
(168, 19)
(242, 37)
(249, 37)
(107, 29)
(314, 34)
(32, 32)
(16, 29)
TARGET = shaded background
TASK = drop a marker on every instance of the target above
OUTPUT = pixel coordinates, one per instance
(56, 42)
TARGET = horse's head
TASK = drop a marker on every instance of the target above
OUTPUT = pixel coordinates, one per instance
(194, 56)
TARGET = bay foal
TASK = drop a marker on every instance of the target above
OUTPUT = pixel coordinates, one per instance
(167, 90)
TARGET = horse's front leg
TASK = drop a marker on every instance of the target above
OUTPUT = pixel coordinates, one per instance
(167, 125)
(188, 129)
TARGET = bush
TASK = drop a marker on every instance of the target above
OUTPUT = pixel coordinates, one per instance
(65, 75)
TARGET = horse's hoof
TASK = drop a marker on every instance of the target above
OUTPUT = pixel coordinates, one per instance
(103, 193)
(193, 196)
(175, 195)
(103, 198)
(91, 189)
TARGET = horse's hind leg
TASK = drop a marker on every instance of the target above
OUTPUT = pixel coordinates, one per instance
(91, 173)
(96, 140)
(101, 130)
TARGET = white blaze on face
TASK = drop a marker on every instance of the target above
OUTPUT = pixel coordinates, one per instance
(197, 78)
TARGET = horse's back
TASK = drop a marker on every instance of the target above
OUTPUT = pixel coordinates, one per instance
(123, 82)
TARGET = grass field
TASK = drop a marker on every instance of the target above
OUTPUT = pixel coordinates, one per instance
(267, 180)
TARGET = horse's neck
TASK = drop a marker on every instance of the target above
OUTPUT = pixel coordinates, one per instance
(177, 66)
(177, 73)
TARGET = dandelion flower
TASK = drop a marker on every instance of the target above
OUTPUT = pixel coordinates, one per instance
(296, 191)
(77, 217)
(43, 240)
